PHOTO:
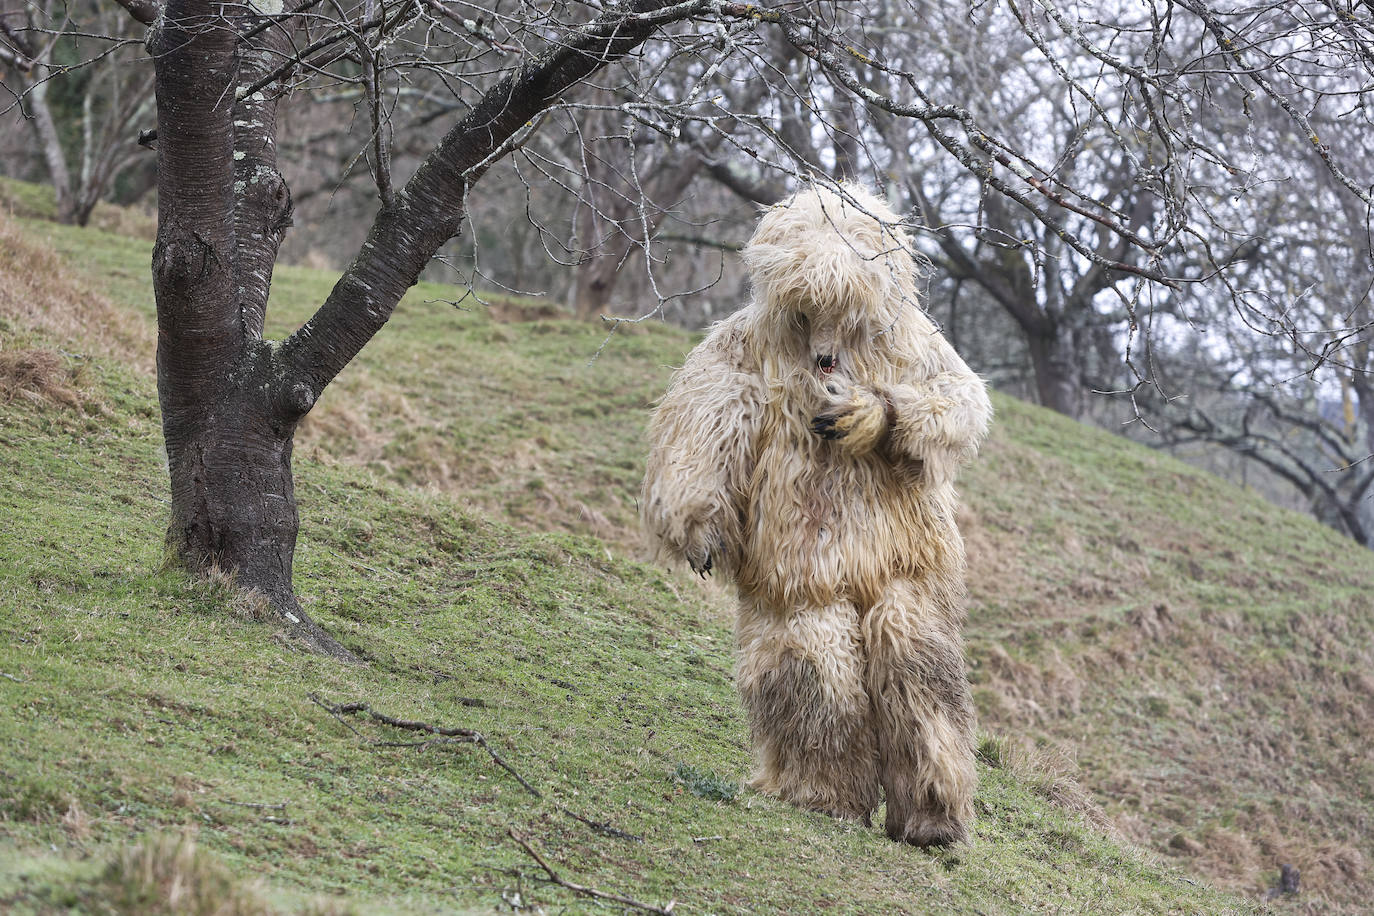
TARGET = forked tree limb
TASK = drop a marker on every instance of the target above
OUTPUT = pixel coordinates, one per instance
(429, 210)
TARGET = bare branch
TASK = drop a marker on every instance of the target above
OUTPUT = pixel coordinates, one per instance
(430, 208)
(583, 889)
(144, 11)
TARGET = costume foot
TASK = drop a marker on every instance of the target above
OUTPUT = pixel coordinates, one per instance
(927, 831)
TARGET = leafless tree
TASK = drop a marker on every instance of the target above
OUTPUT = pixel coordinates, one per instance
(629, 183)
(1072, 332)
(70, 72)
(1295, 399)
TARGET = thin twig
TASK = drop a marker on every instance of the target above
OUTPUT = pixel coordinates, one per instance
(352, 562)
(456, 735)
(603, 829)
(583, 889)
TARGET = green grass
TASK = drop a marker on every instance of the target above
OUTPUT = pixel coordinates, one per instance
(136, 700)
(523, 418)
(1203, 656)
(467, 495)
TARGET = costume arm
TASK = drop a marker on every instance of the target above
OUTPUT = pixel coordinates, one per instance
(939, 420)
(700, 456)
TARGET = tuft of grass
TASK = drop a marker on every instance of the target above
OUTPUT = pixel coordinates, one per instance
(168, 874)
(39, 375)
(705, 784)
(1046, 771)
(161, 874)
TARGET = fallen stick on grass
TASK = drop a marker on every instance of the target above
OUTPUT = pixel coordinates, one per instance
(442, 734)
(582, 889)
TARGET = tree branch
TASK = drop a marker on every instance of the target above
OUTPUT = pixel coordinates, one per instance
(754, 190)
(144, 11)
(440, 733)
(429, 211)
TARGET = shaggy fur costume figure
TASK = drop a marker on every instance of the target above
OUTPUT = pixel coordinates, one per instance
(808, 449)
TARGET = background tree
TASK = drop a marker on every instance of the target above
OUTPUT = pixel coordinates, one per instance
(1293, 400)
(70, 72)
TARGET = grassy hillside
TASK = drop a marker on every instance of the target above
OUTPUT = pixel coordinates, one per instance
(1206, 659)
(1199, 661)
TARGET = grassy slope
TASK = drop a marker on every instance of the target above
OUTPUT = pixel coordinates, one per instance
(150, 715)
(1205, 657)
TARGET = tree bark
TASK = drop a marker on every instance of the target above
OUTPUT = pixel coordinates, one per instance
(594, 283)
(228, 416)
(233, 497)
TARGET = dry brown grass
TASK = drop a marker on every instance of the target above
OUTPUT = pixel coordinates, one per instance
(357, 425)
(39, 375)
(1027, 693)
(39, 296)
(1210, 667)
(130, 222)
(169, 874)
(245, 603)
(504, 310)
(76, 822)
(1050, 771)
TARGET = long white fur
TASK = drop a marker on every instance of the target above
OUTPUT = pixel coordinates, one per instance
(845, 552)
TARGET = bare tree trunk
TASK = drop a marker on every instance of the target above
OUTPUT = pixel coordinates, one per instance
(54, 156)
(594, 283)
(228, 410)
(79, 179)
(233, 499)
(1056, 374)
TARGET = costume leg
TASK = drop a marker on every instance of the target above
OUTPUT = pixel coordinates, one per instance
(923, 715)
(801, 676)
